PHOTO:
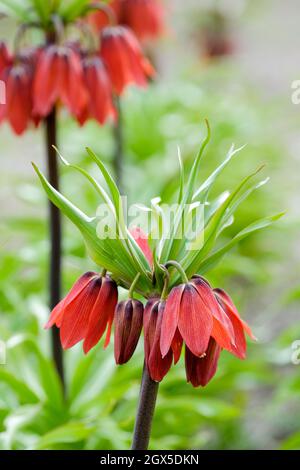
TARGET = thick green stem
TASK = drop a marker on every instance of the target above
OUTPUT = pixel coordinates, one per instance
(145, 412)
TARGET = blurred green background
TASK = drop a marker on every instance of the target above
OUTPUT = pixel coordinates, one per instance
(246, 96)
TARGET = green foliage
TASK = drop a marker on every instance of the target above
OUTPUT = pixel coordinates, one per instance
(42, 11)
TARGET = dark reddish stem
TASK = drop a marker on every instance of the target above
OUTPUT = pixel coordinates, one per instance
(119, 145)
(145, 412)
(55, 239)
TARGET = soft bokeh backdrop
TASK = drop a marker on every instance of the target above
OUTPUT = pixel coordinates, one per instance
(246, 96)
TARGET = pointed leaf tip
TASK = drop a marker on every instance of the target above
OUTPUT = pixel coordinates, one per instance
(63, 160)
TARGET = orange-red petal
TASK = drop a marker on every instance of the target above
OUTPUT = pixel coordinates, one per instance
(171, 318)
(102, 314)
(195, 321)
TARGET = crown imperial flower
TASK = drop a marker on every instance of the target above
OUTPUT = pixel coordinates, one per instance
(182, 309)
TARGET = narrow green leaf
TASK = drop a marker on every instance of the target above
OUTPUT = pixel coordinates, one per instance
(211, 261)
(135, 251)
(72, 9)
(46, 373)
(43, 9)
(211, 230)
(232, 209)
(100, 252)
(21, 389)
(208, 183)
(80, 219)
(19, 9)
(181, 169)
(69, 433)
(170, 244)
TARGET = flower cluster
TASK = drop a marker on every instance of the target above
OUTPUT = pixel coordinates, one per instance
(180, 308)
(83, 79)
(205, 319)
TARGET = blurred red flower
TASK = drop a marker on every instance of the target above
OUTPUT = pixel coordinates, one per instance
(144, 17)
(123, 58)
(17, 109)
(99, 104)
(5, 58)
(59, 77)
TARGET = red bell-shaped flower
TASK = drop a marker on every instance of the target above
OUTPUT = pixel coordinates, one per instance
(86, 312)
(59, 77)
(200, 370)
(123, 58)
(5, 58)
(240, 327)
(128, 327)
(18, 99)
(207, 322)
(144, 17)
(99, 104)
(157, 365)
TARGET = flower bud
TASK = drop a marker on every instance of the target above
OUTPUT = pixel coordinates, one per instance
(128, 327)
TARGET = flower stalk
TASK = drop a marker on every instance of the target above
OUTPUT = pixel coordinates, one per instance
(145, 412)
(55, 239)
(118, 158)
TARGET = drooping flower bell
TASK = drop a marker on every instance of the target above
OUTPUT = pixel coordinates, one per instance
(144, 17)
(5, 57)
(17, 109)
(86, 312)
(128, 325)
(200, 370)
(158, 366)
(59, 77)
(240, 327)
(194, 315)
(99, 104)
(124, 59)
